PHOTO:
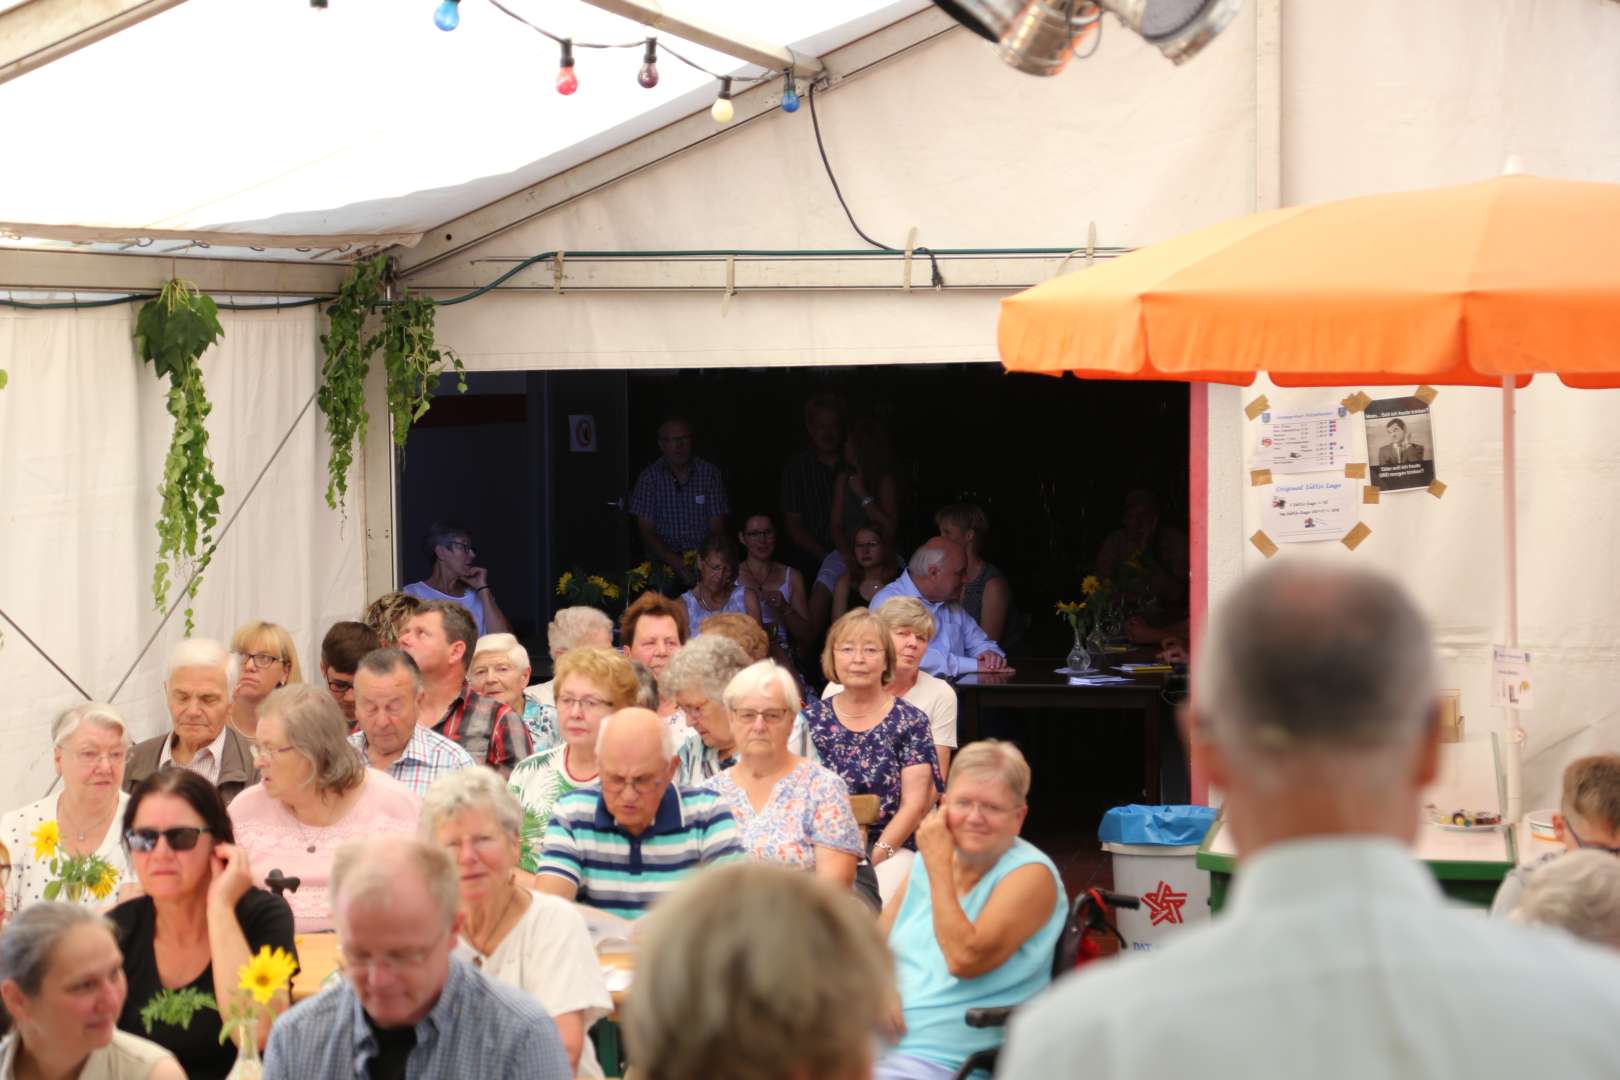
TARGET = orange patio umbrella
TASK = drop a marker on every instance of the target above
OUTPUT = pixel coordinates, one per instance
(1481, 284)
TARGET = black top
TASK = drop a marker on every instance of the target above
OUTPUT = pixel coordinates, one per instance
(394, 1046)
(265, 920)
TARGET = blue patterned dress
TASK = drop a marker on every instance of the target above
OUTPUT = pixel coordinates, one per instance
(870, 761)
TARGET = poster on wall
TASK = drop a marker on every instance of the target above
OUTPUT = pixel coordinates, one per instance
(1310, 509)
(1400, 444)
(1304, 440)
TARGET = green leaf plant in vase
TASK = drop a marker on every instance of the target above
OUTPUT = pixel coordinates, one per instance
(265, 975)
(591, 590)
(657, 577)
(1085, 619)
(72, 876)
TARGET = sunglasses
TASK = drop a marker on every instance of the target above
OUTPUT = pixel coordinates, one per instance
(183, 838)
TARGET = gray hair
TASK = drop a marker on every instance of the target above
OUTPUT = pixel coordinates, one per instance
(722, 992)
(764, 679)
(925, 559)
(502, 643)
(706, 663)
(647, 694)
(204, 652)
(907, 613)
(994, 758)
(96, 714)
(316, 729)
(369, 867)
(1308, 658)
(669, 740)
(388, 660)
(1579, 892)
(479, 788)
(32, 936)
(572, 626)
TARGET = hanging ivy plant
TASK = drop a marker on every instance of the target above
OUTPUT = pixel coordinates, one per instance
(412, 364)
(171, 333)
(342, 396)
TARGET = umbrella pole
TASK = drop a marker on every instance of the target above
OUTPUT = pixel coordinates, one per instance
(1513, 730)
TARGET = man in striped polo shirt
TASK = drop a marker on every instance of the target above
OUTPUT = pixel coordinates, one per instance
(619, 848)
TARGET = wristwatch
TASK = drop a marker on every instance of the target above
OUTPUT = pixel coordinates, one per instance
(869, 500)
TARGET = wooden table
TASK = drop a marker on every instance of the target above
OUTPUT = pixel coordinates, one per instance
(1035, 684)
(317, 958)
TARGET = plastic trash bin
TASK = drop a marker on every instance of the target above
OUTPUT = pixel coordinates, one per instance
(1153, 849)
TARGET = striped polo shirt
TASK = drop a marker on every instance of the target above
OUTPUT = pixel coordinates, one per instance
(624, 874)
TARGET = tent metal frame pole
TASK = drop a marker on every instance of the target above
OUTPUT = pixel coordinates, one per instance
(702, 31)
(36, 32)
(1511, 727)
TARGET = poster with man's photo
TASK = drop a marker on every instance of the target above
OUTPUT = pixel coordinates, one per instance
(1400, 444)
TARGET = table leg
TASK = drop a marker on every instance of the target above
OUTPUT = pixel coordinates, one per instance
(1152, 717)
(967, 717)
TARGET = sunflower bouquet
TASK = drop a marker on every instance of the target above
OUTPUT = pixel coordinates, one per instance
(592, 590)
(72, 875)
(1092, 616)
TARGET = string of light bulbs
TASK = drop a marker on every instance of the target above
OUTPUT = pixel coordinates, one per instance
(447, 16)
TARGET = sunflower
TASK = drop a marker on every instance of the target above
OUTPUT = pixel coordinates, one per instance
(1089, 585)
(564, 582)
(46, 839)
(268, 972)
(644, 569)
(104, 885)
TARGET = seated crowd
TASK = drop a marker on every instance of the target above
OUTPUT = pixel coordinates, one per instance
(467, 836)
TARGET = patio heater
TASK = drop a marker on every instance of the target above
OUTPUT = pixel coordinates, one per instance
(1038, 36)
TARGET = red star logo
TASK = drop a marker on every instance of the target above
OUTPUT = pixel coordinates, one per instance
(1164, 904)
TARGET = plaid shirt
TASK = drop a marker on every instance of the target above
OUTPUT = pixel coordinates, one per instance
(425, 758)
(490, 732)
(680, 512)
(478, 1027)
(807, 490)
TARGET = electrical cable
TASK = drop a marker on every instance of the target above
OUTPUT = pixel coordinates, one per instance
(815, 124)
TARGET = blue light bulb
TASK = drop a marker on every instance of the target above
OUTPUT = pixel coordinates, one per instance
(790, 94)
(448, 15)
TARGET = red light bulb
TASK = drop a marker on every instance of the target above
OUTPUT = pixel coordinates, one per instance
(567, 81)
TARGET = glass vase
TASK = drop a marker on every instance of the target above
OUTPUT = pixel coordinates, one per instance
(1079, 657)
(248, 1066)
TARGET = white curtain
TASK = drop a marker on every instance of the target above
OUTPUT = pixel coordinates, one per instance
(83, 434)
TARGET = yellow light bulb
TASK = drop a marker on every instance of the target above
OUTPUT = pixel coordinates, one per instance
(721, 110)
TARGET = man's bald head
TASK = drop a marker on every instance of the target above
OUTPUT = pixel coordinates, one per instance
(936, 569)
(635, 750)
(1309, 657)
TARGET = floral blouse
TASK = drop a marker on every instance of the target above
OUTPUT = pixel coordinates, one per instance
(538, 782)
(807, 808)
(869, 762)
(541, 720)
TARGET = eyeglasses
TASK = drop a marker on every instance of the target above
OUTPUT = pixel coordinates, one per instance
(770, 716)
(866, 652)
(637, 784)
(340, 687)
(395, 960)
(1575, 836)
(585, 704)
(759, 534)
(180, 838)
(258, 660)
(265, 753)
(966, 807)
(89, 759)
(463, 545)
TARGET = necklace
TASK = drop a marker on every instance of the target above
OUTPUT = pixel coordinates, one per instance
(478, 961)
(102, 821)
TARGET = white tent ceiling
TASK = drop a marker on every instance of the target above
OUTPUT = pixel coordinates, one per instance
(270, 117)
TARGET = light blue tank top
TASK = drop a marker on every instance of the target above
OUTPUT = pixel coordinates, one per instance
(935, 1000)
(696, 613)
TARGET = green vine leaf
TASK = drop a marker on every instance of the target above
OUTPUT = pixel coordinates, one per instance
(171, 333)
(411, 360)
(4, 378)
(176, 1007)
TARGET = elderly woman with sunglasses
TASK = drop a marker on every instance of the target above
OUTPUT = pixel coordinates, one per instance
(91, 747)
(200, 917)
(314, 793)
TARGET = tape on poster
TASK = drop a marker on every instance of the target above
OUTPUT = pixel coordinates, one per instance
(1355, 536)
(1437, 488)
(1356, 470)
(1259, 476)
(1369, 494)
(1256, 407)
(1263, 542)
(1426, 394)
(1356, 402)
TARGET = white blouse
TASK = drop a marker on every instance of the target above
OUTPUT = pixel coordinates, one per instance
(29, 875)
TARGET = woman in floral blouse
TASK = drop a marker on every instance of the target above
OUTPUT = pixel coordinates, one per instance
(878, 743)
(788, 810)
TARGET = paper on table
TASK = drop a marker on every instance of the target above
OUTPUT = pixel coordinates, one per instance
(609, 933)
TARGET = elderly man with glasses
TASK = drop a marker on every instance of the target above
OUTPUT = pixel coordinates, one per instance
(202, 677)
(620, 847)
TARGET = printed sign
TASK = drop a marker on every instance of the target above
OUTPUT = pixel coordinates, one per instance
(582, 433)
(1309, 509)
(1510, 678)
(1400, 444)
(1304, 440)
